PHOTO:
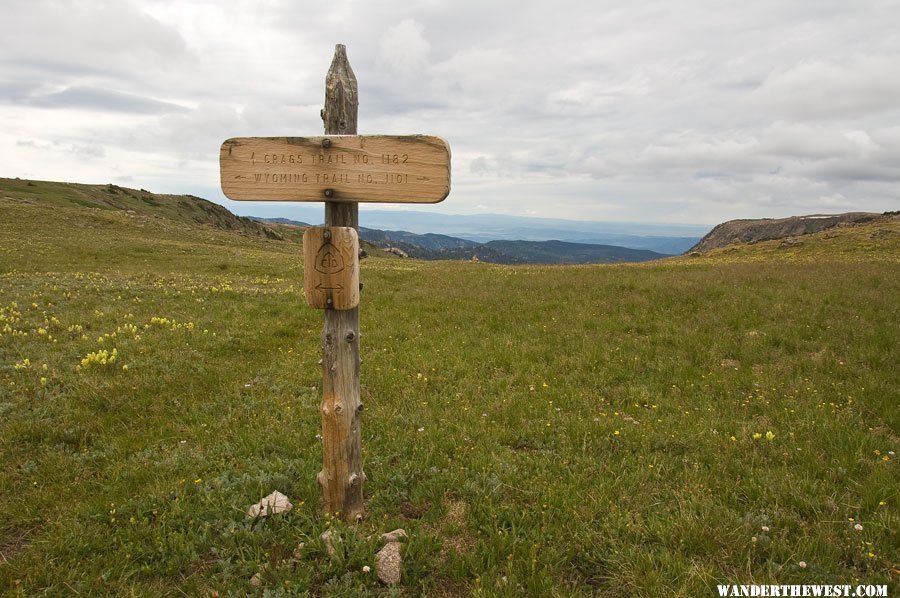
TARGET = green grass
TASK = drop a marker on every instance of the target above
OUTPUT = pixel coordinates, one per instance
(581, 430)
(140, 204)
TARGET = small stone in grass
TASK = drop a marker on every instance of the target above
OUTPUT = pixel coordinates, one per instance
(387, 564)
(270, 505)
(394, 536)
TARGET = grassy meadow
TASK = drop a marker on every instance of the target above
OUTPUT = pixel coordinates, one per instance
(626, 430)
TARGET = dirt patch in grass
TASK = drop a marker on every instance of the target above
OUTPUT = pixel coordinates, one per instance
(12, 542)
(412, 511)
(447, 588)
(455, 532)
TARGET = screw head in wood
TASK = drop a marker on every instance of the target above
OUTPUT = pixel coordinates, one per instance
(329, 192)
(326, 143)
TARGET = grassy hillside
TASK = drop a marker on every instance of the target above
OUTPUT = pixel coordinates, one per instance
(181, 208)
(877, 241)
(646, 430)
(768, 229)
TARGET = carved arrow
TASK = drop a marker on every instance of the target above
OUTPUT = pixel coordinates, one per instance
(339, 288)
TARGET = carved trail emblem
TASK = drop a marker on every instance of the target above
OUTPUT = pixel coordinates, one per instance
(329, 260)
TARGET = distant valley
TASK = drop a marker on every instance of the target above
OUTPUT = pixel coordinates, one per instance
(432, 246)
(667, 239)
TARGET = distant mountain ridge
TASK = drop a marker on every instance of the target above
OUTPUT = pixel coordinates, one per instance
(431, 246)
(428, 241)
(670, 239)
(559, 252)
(287, 221)
(768, 229)
(443, 247)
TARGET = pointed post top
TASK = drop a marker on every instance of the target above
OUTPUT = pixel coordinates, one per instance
(341, 96)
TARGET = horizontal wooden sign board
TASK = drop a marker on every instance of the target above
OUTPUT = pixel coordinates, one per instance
(353, 168)
(331, 267)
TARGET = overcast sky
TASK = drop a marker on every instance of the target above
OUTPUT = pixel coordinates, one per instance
(658, 111)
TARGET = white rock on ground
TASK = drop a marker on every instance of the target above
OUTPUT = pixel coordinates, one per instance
(270, 505)
(387, 564)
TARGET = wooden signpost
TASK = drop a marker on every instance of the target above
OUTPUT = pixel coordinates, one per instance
(341, 169)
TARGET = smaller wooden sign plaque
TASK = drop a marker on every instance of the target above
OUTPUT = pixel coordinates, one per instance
(331, 267)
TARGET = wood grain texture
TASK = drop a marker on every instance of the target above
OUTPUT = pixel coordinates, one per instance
(358, 168)
(342, 473)
(341, 110)
(331, 267)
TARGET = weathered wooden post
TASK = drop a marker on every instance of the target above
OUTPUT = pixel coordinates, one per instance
(341, 169)
(342, 474)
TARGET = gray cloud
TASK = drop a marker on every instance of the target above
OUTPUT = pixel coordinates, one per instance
(101, 100)
(813, 90)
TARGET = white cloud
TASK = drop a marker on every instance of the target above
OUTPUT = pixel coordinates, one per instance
(403, 49)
